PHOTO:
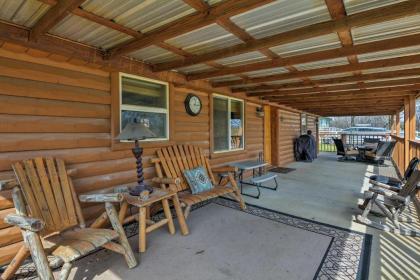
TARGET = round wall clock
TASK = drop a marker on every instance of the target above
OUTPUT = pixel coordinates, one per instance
(193, 104)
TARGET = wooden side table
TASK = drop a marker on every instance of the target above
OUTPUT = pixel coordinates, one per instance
(145, 224)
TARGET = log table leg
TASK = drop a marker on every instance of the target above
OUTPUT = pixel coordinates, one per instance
(14, 265)
(142, 229)
(168, 215)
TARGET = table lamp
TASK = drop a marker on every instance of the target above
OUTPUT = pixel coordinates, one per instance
(135, 131)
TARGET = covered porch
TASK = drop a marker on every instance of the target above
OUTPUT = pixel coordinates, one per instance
(207, 85)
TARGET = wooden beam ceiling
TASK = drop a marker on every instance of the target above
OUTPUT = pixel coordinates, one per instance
(378, 15)
(394, 43)
(188, 23)
(53, 16)
(380, 84)
(397, 61)
(364, 77)
(353, 96)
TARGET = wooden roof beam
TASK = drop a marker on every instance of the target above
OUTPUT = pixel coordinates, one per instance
(52, 17)
(337, 96)
(394, 43)
(397, 61)
(363, 77)
(381, 84)
(188, 23)
(373, 16)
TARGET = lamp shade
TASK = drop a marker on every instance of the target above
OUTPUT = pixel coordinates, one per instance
(135, 131)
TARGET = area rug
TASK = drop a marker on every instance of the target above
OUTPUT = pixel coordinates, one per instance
(227, 243)
(283, 170)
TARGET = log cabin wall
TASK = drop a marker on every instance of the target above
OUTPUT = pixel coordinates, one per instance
(285, 128)
(53, 108)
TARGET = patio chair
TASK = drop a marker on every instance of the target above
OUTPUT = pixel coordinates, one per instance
(171, 161)
(347, 152)
(391, 203)
(49, 215)
(394, 184)
(382, 152)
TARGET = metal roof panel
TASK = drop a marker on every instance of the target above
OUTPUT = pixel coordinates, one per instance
(243, 58)
(194, 68)
(281, 16)
(322, 63)
(266, 72)
(320, 43)
(401, 52)
(358, 6)
(154, 54)
(22, 12)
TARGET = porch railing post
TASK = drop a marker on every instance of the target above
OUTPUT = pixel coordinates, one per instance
(409, 126)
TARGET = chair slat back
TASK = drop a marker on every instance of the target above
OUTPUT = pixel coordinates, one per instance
(48, 192)
(177, 158)
(411, 184)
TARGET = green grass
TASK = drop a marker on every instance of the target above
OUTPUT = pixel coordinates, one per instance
(327, 148)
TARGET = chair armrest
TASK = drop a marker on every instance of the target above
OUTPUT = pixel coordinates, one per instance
(24, 222)
(382, 185)
(167, 181)
(8, 184)
(102, 197)
(390, 194)
(223, 169)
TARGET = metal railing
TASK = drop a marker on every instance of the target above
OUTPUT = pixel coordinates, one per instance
(326, 142)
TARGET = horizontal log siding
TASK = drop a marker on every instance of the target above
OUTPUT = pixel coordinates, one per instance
(50, 108)
(287, 129)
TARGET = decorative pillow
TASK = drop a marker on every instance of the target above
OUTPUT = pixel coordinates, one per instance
(198, 180)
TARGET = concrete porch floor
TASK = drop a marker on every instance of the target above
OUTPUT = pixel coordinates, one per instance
(328, 191)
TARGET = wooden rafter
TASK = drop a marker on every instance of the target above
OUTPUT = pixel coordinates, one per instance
(395, 43)
(353, 96)
(380, 84)
(349, 79)
(378, 15)
(53, 16)
(188, 23)
(398, 61)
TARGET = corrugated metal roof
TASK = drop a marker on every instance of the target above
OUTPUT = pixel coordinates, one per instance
(282, 82)
(397, 78)
(392, 68)
(389, 54)
(225, 78)
(244, 58)
(357, 6)
(154, 54)
(212, 2)
(320, 43)
(22, 12)
(322, 63)
(386, 30)
(81, 30)
(205, 39)
(194, 68)
(281, 16)
(266, 72)
(331, 76)
(140, 15)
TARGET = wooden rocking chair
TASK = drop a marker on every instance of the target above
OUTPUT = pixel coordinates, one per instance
(173, 160)
(391, 203)
(50, 217)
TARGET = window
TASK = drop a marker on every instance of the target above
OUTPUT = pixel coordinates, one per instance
(145, 101)
(402, 123)
(228, 124)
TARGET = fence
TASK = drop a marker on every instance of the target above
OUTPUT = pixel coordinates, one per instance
(326, 142)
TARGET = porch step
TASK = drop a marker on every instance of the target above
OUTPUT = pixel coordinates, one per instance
(263, 178)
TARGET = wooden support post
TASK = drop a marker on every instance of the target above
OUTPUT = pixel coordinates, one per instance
(142, 229)
(409, 126)
(267, 134)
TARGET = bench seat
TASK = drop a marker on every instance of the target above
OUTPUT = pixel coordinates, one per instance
(263, 178)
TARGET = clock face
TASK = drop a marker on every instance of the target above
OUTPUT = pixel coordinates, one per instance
(193, 104)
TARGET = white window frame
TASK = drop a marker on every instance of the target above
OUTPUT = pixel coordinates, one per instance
(146, 109)
(229, 99)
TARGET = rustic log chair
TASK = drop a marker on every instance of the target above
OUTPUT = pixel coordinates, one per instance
(391, 203)
(50, 217)
(171, 161)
